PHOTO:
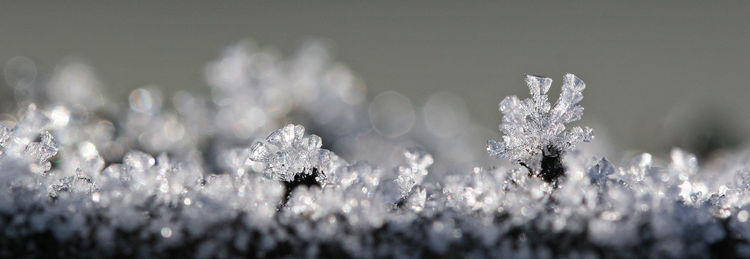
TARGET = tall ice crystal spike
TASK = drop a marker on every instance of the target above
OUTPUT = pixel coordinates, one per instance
(533, 129)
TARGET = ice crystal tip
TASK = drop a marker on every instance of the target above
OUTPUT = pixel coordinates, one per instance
(532, 125)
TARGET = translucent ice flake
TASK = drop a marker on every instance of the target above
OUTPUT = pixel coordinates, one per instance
(287, 153)
(533, 130)
(41, 152)
(601, 171)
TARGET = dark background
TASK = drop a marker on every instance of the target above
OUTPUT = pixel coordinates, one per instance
(659, 73)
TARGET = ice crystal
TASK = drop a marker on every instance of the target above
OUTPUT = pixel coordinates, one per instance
(535, 132)
(288, 153)
(414, 172)
(41, 152)
(600, 172)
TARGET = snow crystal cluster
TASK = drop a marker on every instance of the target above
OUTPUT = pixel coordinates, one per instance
(533, 128)
(236, 174)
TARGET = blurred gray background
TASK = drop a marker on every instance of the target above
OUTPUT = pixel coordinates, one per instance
(659, 73)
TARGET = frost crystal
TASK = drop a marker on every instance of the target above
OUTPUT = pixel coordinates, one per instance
(41, 152)
(288, 153)
(414, 173)
(601, 171)
(535, 131)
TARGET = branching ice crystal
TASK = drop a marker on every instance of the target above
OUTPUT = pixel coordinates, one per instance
(414, 172)
(535, 133)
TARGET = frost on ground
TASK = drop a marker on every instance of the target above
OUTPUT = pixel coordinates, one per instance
(226, 175)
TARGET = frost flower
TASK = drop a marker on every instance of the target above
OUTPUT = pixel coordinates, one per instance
(534, 132)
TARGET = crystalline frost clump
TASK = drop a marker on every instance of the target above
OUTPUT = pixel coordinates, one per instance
(534, 130)
(41, 152)
(287, 153)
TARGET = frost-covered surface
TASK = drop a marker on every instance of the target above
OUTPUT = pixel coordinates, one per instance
(222, 176)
